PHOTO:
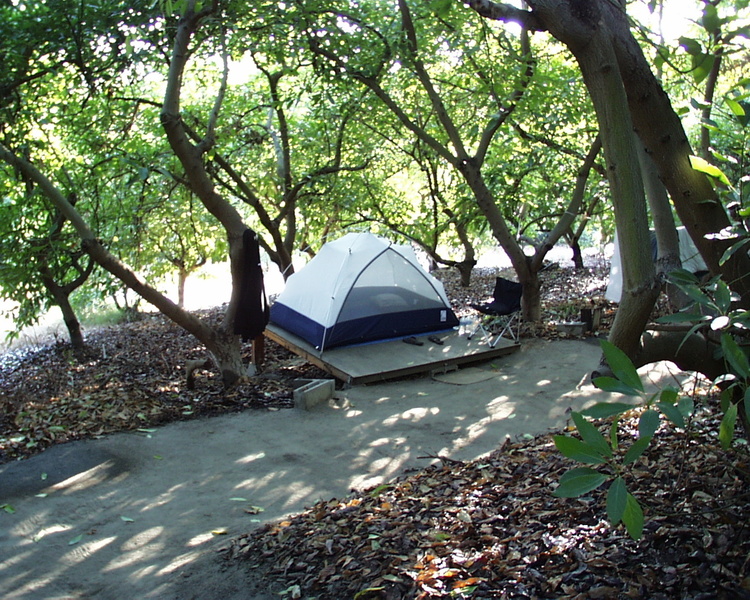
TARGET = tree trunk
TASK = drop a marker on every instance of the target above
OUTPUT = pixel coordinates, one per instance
(464, 268)
(221, 344)
(667, 240)
(529, 278)
(223, 347)
(577, 254)
(601, 73)
(182, 276)
(70, 318)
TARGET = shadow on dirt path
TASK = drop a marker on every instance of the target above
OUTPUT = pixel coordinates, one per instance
(141, 515)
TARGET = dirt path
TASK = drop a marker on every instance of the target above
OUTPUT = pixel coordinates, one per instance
(141, 515)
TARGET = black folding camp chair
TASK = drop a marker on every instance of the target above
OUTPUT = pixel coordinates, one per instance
(502, 315)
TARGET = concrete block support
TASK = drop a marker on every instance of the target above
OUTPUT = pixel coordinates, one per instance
(311, 392)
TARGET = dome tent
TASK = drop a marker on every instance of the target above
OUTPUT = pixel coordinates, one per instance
(361, 288)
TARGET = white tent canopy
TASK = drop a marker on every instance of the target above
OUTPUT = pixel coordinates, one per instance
(362, 288)
(691, 260)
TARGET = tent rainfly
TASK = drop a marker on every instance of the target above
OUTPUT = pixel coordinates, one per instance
(689, 255)
(361, 288)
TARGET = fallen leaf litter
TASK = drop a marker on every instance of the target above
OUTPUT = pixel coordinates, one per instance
(484, 529)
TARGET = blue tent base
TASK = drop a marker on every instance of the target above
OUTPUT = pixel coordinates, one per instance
(391, 359)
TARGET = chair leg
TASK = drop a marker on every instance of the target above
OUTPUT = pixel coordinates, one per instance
(480, 327)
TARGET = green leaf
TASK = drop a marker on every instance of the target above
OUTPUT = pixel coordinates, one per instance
(702, 165)
(375, 492)
(669, 395)
(615, 386)
(578, 450)
(617, 497)
(702, 65)
(691, 46)
(591, 435)
(737, 109)
(635, 451)
(735, 355)
(723, 296)
(697, 295)
(681, 317)
(603, 410)
(686, 406)
(746, 402)
(365, 593)
(729, 252)
(726, 429)
(632, 517)
(682, 276)
(648, 423)
(8, 508)
(672, 413)
(577, 482)
(710, 19)
(75, 540)
(441, 8)
(621, 366)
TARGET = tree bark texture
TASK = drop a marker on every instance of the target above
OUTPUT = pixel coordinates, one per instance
(640, 289)
(223, 348)
(602, 24)
(222, 344)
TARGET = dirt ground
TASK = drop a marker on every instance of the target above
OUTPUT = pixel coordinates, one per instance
(142, 515)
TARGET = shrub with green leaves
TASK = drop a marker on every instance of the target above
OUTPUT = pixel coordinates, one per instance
(713, 313)
(607, 459)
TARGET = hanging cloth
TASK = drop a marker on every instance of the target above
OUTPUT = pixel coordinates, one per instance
(252, 313)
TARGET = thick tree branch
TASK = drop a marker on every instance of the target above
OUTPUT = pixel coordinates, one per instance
(499, 11)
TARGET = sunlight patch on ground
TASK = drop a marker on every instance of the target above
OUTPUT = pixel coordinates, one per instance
(186, 558)
(84, 550)
(199, 539)
(250, 458)
(141, 540)
(85, 479)
(413, 414)
(57, 528)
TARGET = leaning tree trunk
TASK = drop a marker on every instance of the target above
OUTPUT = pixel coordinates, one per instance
(222, 345)
(640, 289)
(660, 129)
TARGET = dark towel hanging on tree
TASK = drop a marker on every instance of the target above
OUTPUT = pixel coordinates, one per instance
(252, 313)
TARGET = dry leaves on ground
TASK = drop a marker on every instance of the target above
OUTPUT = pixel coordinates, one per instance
(485, 529)
(492, 529)
(132, 375)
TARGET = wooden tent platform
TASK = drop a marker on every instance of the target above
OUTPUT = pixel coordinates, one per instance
(389, 359)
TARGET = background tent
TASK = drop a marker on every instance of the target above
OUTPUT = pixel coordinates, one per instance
(691, 260)
(361, 288)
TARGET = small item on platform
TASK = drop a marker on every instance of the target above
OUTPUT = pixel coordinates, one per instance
(435, 340)
(413, 341)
